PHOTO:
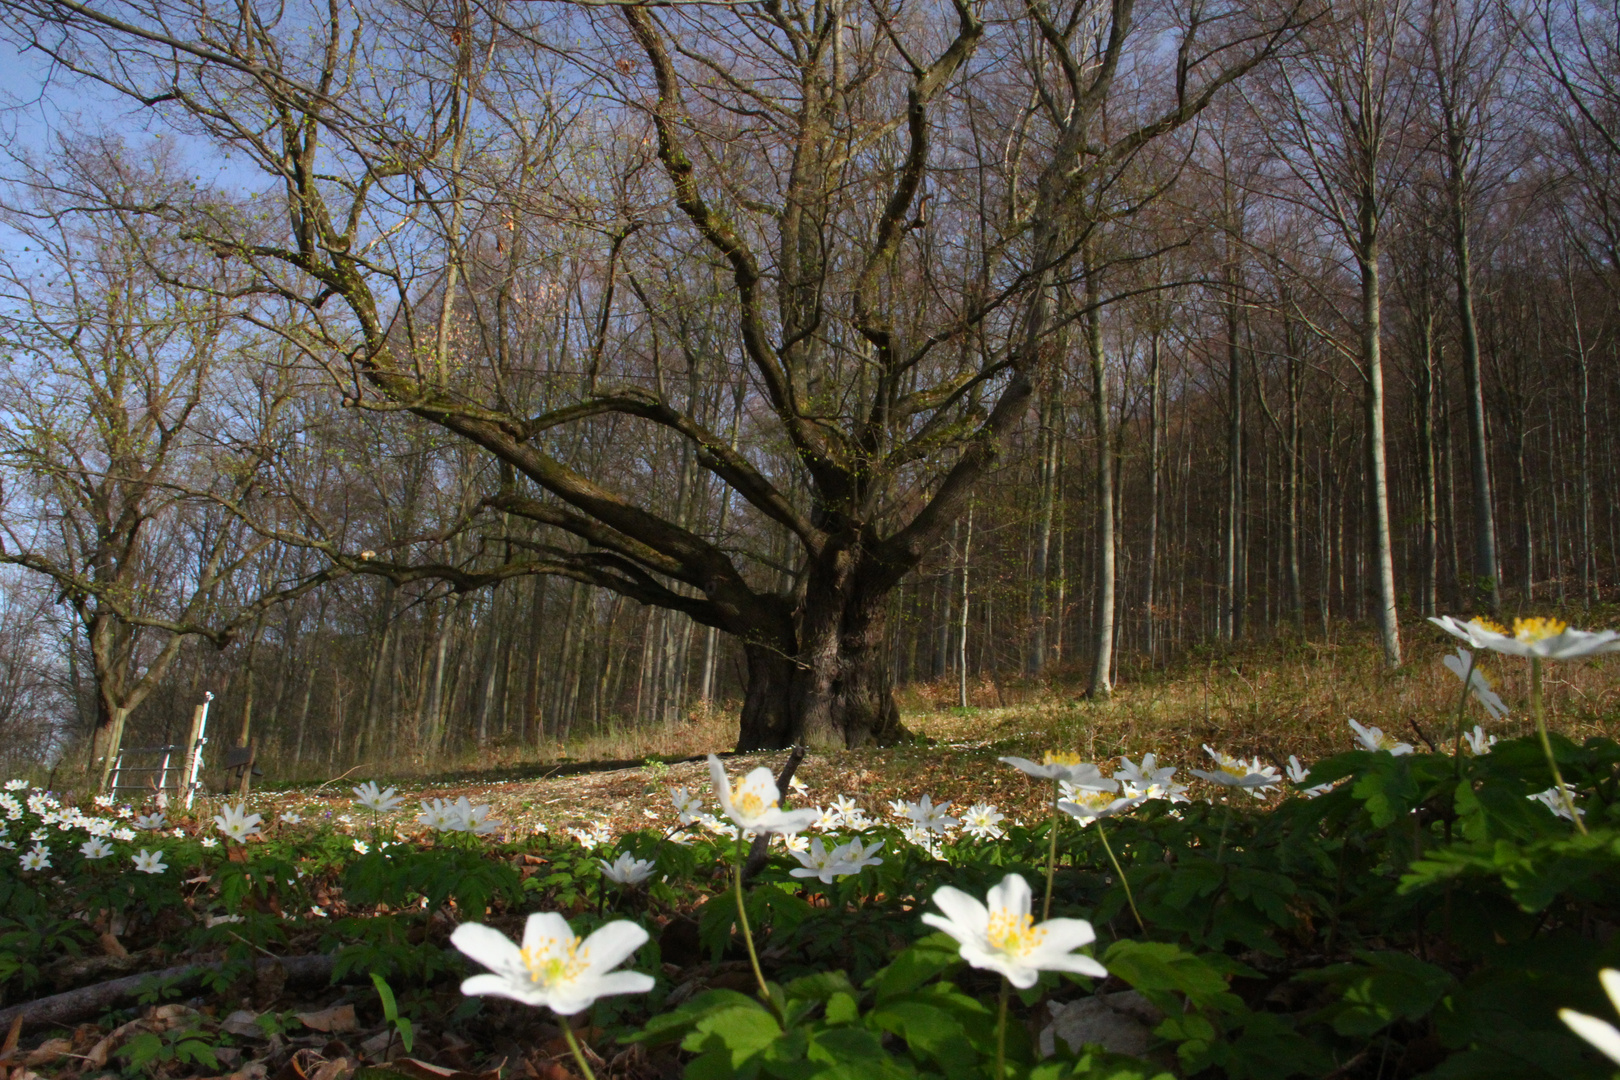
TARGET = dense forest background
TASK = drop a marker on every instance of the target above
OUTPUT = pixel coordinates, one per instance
(1323, 335)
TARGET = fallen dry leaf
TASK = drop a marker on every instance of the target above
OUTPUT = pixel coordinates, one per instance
(96, 1057)
(48, 1051)
(12, 1036)
(422, 1070)
(339, 1018)
(336, 1069)
(300, 1065)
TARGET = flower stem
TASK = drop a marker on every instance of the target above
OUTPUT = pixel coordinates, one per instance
(1226, 820)
(748, 935)
(1123, 880)
(579, 1054)
(1001, 1030)
(1546, 744)
(1051, 856)
(1462, 710)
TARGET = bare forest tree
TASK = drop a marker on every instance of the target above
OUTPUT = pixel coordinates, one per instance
(892, 345)
(430, 378)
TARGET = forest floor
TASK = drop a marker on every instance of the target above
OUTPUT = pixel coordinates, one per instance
(1272, 699)
(1269, 700)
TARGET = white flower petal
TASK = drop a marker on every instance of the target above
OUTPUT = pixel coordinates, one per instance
(722, 786)
(1074, 962)
(487, 946)
(965, 911)
(612, 944)
(621, 982)
(1066, 935)
(1599, 1033)
(497, 986)
(1610, 978)
(1012, 894)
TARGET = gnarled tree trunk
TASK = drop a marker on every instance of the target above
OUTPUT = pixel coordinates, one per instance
(821, 675)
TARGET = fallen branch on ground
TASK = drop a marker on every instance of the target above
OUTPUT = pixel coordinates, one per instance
(76, 1005)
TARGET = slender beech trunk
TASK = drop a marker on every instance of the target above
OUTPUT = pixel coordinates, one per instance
(1487, 573)
(1389, 630)
(1150, 644)
(1102, 674)
(1588, 556)
(1296, 435)
(1046, 488)
(303, 714)
(1232, 583)
(1423, 405)
(962, 623)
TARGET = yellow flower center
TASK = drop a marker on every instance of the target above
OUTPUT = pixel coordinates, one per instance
(1013, 934)
(1537, 629)
(1060, 759)
(553, 961)
(1485, 623)
(1093, 799)
(751, 804)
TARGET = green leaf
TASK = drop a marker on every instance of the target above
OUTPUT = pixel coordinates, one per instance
(386, 993)
(929, 1031)
(141, 1050)
(1388, 790)
(739, 1031)
(819, 987)
(842, 1009)
(1159, 968)
(924, 960)
(1379, 989)
(1268, 1048)
(196, 1052)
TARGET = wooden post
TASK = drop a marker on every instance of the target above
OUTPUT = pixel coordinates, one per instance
(247, 770)
(115, 741)
(194, 744)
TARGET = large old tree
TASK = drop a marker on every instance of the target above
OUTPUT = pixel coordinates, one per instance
(548, 229)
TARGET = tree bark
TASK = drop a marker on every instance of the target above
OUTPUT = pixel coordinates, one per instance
(1155, 467)
(1389, 633)
(1102, 666)
(1232, 571)
(1040, 586)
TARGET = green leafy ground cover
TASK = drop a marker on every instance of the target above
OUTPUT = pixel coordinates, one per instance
(1426, 916)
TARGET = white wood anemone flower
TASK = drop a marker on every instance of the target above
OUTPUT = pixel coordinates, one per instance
(439, 816)
(1373, 739)
(236, 823)
(1464, 667)
(1002, 936)
(374, 798)
(842, 861)
(95, 848)
(1234, 772)
(150, 862)
(755, 804)
(627, 869)
(1534, 639)
(1065, 767)
(931, 816)
(688, 807)
(553, 967)
(1600, 1033)
(1298, 774)
(1088, 806)
(1150, 779)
